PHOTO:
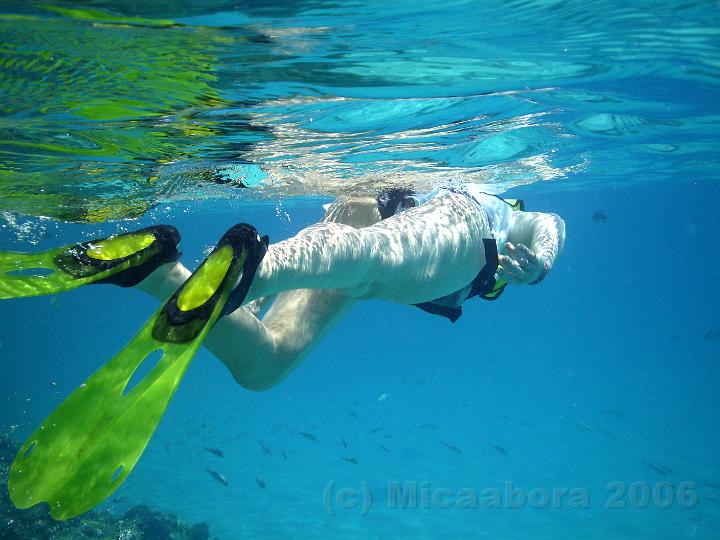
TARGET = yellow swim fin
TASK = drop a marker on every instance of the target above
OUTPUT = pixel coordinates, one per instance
(86, 448)
(125, 260)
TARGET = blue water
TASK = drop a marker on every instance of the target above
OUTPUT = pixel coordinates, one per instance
(600, 383)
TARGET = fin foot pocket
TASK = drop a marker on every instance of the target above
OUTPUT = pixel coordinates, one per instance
(125, 260)
(236, 255)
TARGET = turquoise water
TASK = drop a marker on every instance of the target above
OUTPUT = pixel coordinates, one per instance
(601, 385)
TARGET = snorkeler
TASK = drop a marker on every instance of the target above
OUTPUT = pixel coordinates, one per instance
(432, 251)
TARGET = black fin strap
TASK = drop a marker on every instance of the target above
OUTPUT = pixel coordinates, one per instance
(252, 262)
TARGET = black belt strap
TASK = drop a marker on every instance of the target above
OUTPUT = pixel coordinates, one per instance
(483, 283)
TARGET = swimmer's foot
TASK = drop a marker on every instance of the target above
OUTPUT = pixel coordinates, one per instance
(90, 443)
(222, 280)
(124, 260)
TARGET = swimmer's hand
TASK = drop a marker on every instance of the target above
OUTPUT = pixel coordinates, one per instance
(521, 265)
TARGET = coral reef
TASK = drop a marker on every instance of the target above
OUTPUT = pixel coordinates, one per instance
(138, 523)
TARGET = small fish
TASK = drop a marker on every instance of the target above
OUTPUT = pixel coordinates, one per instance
(284, 455)
(351, 413)
(374, 430)
(581, 425)
(235, 437)
(524, 424)
(451, 447)
(419, 382)
(499, 449)
(350, 460)
(260, 482)
(265, 449)
(218, 477)
(660, 469)
(599, 216)
(712, 334)
(654, 468)
(344, 442)
(427, 426)
(385, 448)
(308, 436)
(382, 397)
(711, 485)
(712, 499)
(615, 412)
(120, 500)
(215, 451)
(462, 404)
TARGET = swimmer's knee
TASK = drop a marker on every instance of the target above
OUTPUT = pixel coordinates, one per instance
(256, 383)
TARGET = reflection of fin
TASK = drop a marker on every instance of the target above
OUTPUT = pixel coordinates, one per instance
(87, 447)
(125, 259)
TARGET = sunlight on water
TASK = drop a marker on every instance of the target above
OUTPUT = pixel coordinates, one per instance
(113, 108)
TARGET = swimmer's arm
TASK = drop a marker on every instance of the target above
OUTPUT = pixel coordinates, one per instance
(544, 236)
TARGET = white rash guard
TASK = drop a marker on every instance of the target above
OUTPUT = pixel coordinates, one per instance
(427, 252)
(543, 233)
